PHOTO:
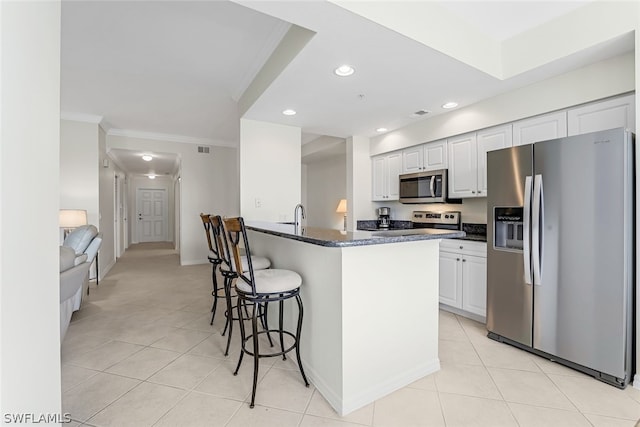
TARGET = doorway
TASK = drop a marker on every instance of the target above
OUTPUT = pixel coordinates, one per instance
(152, 215)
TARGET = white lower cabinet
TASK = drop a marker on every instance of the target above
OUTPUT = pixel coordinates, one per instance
(463, 276)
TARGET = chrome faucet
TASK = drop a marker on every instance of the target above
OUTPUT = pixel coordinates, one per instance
(298, 215)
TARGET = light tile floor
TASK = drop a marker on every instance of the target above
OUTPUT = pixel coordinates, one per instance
(141, 352)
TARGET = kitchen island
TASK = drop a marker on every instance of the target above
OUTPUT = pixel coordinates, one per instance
(370, 305)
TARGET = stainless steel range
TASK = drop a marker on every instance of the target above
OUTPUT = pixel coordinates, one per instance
(442, 220)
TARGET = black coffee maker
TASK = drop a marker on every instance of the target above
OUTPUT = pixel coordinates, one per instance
(384, 217)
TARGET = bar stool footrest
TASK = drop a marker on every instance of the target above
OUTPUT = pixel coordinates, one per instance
(279, 353)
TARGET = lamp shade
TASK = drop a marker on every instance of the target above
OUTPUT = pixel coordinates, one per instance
(342, 206)
(71, 218)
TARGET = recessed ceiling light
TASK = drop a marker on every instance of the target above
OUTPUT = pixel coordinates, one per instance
(450, 105)
(152, 177)
(344, 70)
(289, 112)
(382, 130)
(147, 158)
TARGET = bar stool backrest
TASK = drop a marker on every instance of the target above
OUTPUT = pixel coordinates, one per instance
(213, 246)
(219, 239)
(235, 232)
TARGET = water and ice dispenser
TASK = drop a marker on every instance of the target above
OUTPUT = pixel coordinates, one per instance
(508, 228)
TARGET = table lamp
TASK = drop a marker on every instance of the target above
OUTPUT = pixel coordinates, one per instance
(342, 208)
(71, 218)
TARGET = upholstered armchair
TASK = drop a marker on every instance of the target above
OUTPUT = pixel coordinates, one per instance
(74, 273)
(85, 241)
(77, 253)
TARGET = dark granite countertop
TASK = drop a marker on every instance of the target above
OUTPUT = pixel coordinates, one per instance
(473, 237)
(475, 232)
(337, 238)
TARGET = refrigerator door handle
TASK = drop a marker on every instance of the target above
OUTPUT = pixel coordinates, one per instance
(432, 186)
(537, 228)
(526, 230)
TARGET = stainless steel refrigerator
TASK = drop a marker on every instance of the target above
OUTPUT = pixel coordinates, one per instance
(560, 253)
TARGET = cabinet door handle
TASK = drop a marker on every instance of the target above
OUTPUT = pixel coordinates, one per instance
(464, 260)
(460, 247)
(457, 259)
(473, 192)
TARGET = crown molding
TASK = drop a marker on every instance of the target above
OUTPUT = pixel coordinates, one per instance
(170, 138)
(86, 118)
(81, 117)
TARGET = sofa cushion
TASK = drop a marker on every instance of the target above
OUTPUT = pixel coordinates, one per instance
(80, 238)
(67, 258)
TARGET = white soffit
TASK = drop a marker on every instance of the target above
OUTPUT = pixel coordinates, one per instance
(503, 38)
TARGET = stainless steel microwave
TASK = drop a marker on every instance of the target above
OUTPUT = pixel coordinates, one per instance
(424, 187)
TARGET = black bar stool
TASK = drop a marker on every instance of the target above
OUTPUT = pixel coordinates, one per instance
(215, 259)
(227, 269)
(257, 288)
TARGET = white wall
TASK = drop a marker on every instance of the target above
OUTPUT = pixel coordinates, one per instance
(326, 185)
(79, 160)
(270, 170)
(107, 220)
(29, 202)
(208, 184)
(358, 181)
(600, 80)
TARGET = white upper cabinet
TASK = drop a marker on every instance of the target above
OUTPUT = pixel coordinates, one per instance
(463, 166)
(468, 160)
(490, 139)
(435, 155)
(613, 113)
(540, 128)
(413, 159)
(425, 157)
(385, 171)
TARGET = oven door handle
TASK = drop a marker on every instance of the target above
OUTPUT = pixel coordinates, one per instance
(432, 186)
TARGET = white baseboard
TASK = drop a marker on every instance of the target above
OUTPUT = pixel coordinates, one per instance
(105, 270)
(392, 384)
(193, 262)
(345, 406)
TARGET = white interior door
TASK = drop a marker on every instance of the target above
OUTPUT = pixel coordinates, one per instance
(152, 215)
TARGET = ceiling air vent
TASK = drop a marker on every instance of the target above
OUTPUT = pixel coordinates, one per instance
(420, 113)
(204, 150)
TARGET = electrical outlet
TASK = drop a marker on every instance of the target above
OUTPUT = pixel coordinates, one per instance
(258, 202)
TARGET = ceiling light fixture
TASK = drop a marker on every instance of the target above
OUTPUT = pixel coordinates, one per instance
(449, 105)
(289, 112)
(382, 130)
(152, 177)
(344, 70)
(147, 157)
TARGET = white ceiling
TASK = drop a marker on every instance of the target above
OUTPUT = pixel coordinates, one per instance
(178, 68)
(504, 19)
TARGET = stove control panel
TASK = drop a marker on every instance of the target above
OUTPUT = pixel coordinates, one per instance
(452, 217)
